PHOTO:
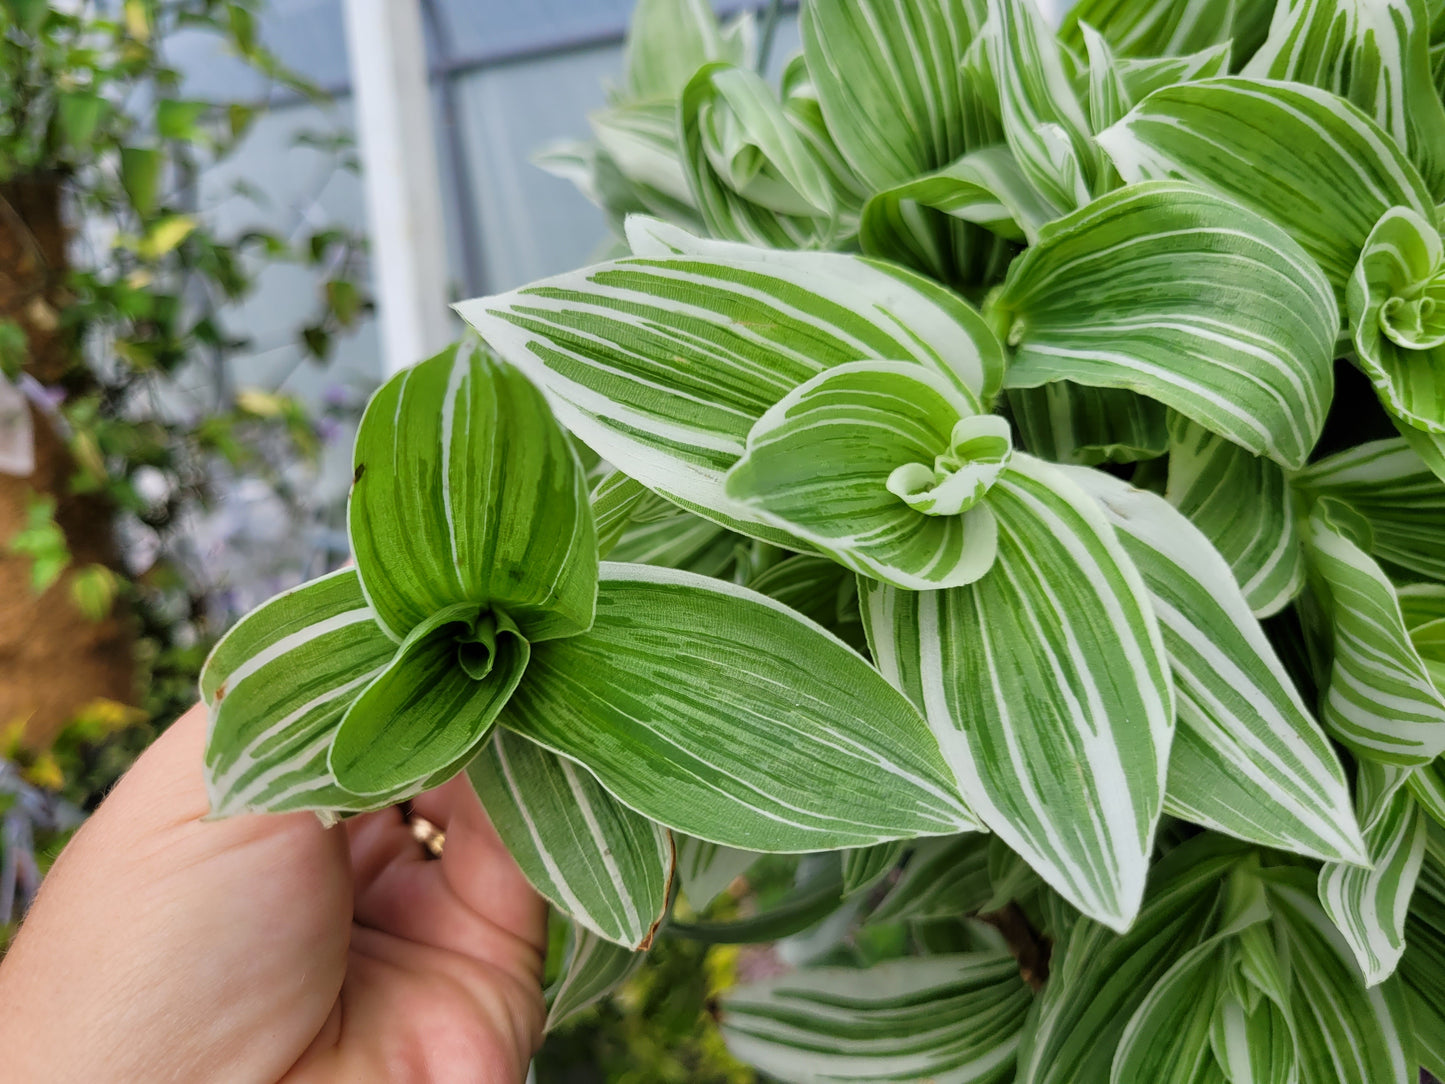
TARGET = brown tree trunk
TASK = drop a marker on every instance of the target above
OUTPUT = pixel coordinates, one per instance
(53, 659)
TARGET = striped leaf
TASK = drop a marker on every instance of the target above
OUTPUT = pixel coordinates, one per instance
(863, 867)
(1238, 334)
(882, 465)
(1243, 505)
(668, 40)
(662, 365)
(1422, 968)
(1389, 484)
(1254, 1043)
(886, 74)
(1044, 121)
(947, 1019)
(1074, 781)
(1380, 700)
(1369, 905)
(818, 589)
(1073, 423)
(640, 156)
(1344, 1031)
(944, 878)
(276, 686)
(592, 858)
(1430, 447)
(1376, 53)
(1399, 336)
(753, 177)
(817, 894)
(1098, 978)
(468, 492)
(616, 500)
(433, 704)
(1162, 28)
(595, 968)
(705, 869)
(1168, 1037)
(1248, 757)
(719, 712)
(1333, 171)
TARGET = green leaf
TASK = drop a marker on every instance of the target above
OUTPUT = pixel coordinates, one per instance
(1143, 76)
(1430, 447)
(1389, 484)
(178, 119)
(863, 867)
(1396, 304)
(1244, 506)
(275, 688)
(1380, 700)
(1248, 757)
(1254, 1044)
(1332, 171)
(1369, 905)
(1344, 1031)
(140, 177)
(595, 860)
(78, 113)
(887, 79)
(1168, 1037)
(1376, 53)
(1074, 423)
(1238, 335)
(1073, 781)
(817, 894)
(882, 465)
(615, 502)
(1153, 28)
(640, 143)
(718, 712)
(944, 878)
(433, 704)
(704, 870)
(467, 491)
(663, 364)
(667, 41)
(1422, 968)
(818, 589)
(948, 1019)
(594, 969)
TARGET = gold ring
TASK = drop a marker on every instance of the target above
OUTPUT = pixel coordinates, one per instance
(428, 835)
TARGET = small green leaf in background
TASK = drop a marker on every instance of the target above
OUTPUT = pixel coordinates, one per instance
(140, 176)
(177, 119)
(79, 113)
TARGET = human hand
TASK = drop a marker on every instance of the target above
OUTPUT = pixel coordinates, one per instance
(266, 948)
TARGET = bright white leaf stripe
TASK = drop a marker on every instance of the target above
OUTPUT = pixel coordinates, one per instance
(1248, 757)
(947, 1019)
(468, 491)
(1073, 781)
(944, 878)
(598, 862)
(705, 869)
(1380, 700)
(1043, 120)
(820, 465)
(663, 365)
(1254, 1044)
(1390, 485)
(1376, 53)
(1109, 97)
(1243, 505)
(1344, 1030)
(1065, 422)
(1098, 979)
(1185, 297)
(1369, 905)
(595, 967)
(277, 685)
(1332, 171)
(887, 79)
(1168, 1037)
(673, 702)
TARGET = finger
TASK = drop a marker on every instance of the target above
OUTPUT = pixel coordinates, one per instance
(377, 840)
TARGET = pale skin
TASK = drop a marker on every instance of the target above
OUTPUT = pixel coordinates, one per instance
(265, 948)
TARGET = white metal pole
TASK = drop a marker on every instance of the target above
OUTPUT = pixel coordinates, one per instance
(403, 194)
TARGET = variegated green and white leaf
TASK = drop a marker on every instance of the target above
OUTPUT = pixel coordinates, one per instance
(1144, 75)
(1168, 1036)
(423, 716)
(705, 869)
(1380, 700)
(1243, 505)
(820, 590)
(1073, 782)
(1248, 757)
(1333, 171)
(663, 365)
(1238, 334)
(944, 878)
(668, 40)
(616, 500)
(1369, 904)
(719, 712)
(595, 860)
(639, 141)
(1253, 1040)
(884, 466)
(1396, 305)
(946, 1019)
(1430, 447)
(887, 78)
(1376, 53)
(1065, 422)
(1390, 485)
(1344, 1030)
(863, 867)
(467, 491)
(1161, 28)
(1422, 968)
(595, 968)
(275, 688)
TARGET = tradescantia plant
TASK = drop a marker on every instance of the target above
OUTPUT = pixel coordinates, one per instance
(1022, 497)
